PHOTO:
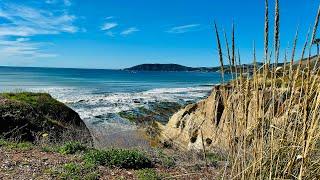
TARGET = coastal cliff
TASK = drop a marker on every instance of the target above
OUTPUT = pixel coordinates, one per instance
(186, 128)
(207, 124)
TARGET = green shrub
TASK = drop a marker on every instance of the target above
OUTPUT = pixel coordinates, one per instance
(16, 145)
(118, 158)
(47, 148)
(72, 148)
(76, 171)
(147, 174)
(214, 158)
(30, 98)
(165, 160)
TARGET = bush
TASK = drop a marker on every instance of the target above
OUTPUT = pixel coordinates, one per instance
(118, 158)
(214, 158)
(72, 148)
(77, 171)
(16, 145)
(147, 174)
(165, 160)
(46, 148)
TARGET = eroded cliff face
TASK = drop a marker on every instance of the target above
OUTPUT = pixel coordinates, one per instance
(196, 124)
(208, 123)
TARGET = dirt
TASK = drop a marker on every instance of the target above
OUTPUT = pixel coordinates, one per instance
(36, 164)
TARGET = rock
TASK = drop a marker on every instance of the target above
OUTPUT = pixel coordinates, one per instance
(137, 101)
(27, 116)
(208, 121)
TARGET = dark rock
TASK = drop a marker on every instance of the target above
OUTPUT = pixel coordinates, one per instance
(26, 116)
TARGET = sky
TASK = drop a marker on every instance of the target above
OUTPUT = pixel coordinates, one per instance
(112, 34)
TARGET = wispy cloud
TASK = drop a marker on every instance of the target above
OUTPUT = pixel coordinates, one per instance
(65, 2)
(22, 22)
(184, 28)
(23, 47)
(108, 26)
(27, 21)
(129, 31)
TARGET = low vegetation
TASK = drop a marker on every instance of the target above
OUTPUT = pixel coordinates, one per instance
(76, 171)
(73, 160)
(148, 174)
(24, 146)
(122, 158)
(72, 148)
(34, 99)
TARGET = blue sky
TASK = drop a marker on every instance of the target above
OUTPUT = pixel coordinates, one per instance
(122, 33)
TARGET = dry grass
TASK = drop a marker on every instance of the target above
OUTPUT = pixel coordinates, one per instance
(280, 137)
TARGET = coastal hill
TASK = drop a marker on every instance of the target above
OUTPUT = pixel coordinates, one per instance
(170, 67)
(181, 68)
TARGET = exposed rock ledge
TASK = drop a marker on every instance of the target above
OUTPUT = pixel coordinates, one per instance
(207, 123)
(185, 127)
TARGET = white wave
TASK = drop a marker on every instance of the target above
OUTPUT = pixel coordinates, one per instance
(90, 105)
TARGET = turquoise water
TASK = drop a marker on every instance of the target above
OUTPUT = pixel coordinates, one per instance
(97, 94)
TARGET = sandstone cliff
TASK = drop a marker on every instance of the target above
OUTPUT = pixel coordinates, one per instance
(208, 122)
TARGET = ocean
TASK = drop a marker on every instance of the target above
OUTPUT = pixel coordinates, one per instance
(100, 95)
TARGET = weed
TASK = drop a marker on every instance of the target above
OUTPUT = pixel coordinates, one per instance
(72, 148)
(147, 174)
(118, 158)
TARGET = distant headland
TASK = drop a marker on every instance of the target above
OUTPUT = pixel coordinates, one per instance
(180, 68)
(169, 67)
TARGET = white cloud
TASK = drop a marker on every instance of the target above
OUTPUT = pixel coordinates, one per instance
(65, 2)
(22, 47)
(27, 21)
(108, 26)
(22, 22)
(184, 28)
(129, 31)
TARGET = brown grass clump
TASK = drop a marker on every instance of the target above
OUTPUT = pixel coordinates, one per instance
(280, 138)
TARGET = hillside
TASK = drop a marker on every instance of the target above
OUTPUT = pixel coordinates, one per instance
(169, 67)
(181, 68)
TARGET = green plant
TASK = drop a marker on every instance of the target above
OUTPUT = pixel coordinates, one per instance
(214, 158)
(165, 160)
(16, 145)
(78, 171)
(47, 148)
(119, 158)
(72, 148)
(147, 174)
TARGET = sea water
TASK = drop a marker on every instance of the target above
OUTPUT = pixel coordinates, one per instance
(99, 95)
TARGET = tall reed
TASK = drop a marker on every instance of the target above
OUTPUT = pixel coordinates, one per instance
(274, 124)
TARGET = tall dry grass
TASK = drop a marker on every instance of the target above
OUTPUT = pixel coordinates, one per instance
(277, 135)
